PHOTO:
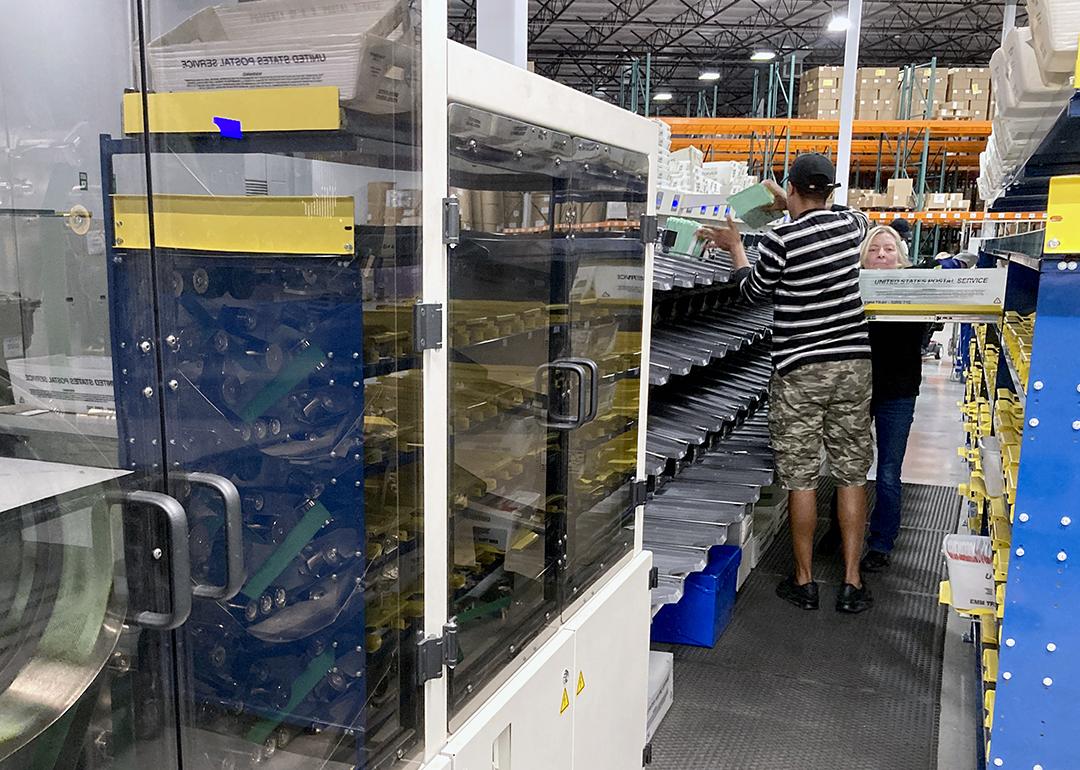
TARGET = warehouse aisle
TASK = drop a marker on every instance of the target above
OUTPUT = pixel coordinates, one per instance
(786, 689)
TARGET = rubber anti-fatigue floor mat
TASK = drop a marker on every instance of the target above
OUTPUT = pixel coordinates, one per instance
(786, 689)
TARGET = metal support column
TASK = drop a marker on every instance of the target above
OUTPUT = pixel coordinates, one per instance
(941, 189)
(847, 99)
(877, 170)
(648, 81)
(920, 190)
(790, 113)
(1009, 19)
(770, 112)
(754, 95)
(904, 113)
(502, 30)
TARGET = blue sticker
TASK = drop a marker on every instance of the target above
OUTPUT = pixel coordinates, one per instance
(230, 129)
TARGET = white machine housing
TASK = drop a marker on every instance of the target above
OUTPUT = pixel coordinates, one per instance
(576, 696)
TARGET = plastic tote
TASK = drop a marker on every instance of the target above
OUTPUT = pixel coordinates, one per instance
(707, 605)
(971, 571)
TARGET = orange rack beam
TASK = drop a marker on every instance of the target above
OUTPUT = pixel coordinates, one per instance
(811, 127)
(957, 217)
(858, 146)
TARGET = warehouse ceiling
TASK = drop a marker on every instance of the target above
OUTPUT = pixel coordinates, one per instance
(589, 44)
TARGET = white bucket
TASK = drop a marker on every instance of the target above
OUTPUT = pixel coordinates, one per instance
(971, 571)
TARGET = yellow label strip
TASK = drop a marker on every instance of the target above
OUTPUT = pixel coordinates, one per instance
(257, 109)
(237, 223)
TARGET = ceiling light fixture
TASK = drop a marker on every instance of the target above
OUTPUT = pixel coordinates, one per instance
(662, 96)
(709, 75)
(763, 56)
(838, 24)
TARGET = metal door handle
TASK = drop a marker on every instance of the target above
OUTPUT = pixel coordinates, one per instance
(234, 536)
(594, 387)
(179, 558)
(563, 422)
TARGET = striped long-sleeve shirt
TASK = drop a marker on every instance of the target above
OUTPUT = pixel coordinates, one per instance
(810, 270)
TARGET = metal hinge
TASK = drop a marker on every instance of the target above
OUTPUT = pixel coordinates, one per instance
(646, 755)
(639, 493)
(427, 326)
(436, 652)
(649, 228)
(451, 221)
(654, 578)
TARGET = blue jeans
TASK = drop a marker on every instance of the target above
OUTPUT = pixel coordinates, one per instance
(892, 421)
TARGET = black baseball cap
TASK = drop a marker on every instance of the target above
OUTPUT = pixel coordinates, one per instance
(901, 226)
(813, 172)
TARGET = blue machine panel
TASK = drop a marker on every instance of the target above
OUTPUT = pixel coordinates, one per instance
(1038, 688)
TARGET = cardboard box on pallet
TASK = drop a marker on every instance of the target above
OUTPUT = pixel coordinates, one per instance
(818, 109)
(819, 78)
(878, 83)
(936, 202)
(969, 80)
(828, 98)
(900, 194)
(822, 103)
(875, 109)
(819, 113)
(868, 199)
(874, 75)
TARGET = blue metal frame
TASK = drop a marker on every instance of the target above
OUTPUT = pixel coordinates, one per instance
(328, 654)
(1035, 722)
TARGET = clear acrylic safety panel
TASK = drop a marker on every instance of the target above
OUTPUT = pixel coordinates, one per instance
(285, 259)
(512, 395)
(607, 295)
(93, 557)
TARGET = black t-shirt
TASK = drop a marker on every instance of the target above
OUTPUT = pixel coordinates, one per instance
(896, 350)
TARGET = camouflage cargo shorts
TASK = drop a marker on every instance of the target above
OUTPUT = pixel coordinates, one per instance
(822, 404)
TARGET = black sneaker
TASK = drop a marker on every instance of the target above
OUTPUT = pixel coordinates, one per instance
(875, 561)
(802, 596)
(853, 600)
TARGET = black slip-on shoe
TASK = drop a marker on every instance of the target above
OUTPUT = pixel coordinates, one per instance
(853, 600)
(804, 596)
(875, 561)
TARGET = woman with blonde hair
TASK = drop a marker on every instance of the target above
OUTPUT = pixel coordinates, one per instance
(896, 352)
(884, 249)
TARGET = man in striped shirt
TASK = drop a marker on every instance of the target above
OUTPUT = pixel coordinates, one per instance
(821, 386)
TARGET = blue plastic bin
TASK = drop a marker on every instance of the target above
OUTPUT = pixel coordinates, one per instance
(708, 603)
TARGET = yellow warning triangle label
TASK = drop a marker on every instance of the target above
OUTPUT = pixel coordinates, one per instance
(565, 701)
(580, 682)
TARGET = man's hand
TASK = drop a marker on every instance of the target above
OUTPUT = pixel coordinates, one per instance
(779, 196)
(729, 239)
